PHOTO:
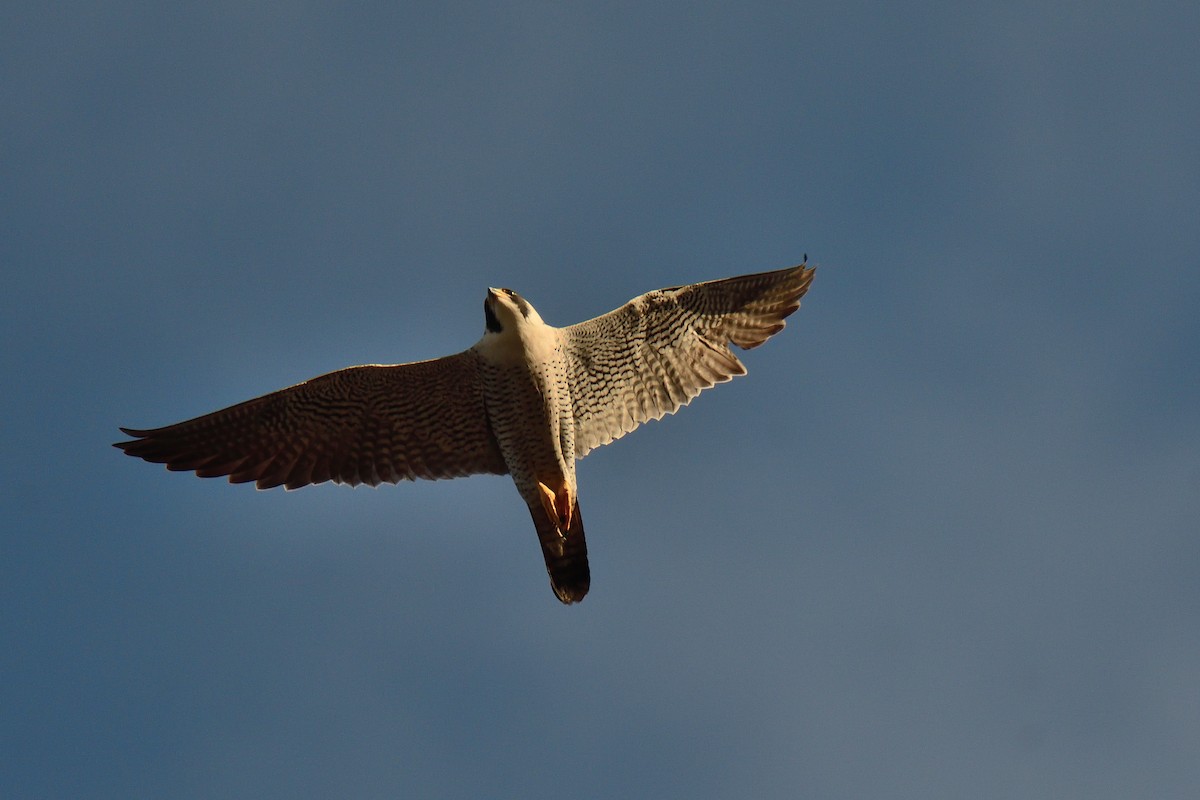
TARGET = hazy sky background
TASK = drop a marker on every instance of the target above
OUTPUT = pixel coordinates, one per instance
(942, 541)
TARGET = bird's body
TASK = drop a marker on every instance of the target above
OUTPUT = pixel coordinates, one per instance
(528, 405)
(528, 399)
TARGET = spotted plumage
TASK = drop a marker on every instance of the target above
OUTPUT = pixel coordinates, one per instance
(528, 400)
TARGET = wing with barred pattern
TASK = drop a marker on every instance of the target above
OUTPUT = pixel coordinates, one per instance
(652, 355)
(365, 424)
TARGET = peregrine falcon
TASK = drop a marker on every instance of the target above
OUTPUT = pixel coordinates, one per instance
(527, 400)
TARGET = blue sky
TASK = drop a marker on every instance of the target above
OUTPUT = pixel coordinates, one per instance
(941, 542)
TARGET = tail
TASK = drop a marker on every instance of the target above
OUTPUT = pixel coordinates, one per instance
(565, 554)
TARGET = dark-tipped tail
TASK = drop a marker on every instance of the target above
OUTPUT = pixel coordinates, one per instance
(566, 555)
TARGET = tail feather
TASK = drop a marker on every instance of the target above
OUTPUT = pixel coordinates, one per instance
(565, 554)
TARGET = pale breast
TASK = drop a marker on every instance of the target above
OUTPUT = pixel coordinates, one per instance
(529, 408)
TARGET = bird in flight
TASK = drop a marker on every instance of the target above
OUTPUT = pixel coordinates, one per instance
(527, 400)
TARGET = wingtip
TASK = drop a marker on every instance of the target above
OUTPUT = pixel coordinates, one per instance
(801, 274)
(806, 274)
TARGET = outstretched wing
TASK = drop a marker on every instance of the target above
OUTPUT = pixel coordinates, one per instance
(655, 353)
(358, 425)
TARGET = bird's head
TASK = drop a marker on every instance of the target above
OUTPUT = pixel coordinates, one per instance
(505, 311)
